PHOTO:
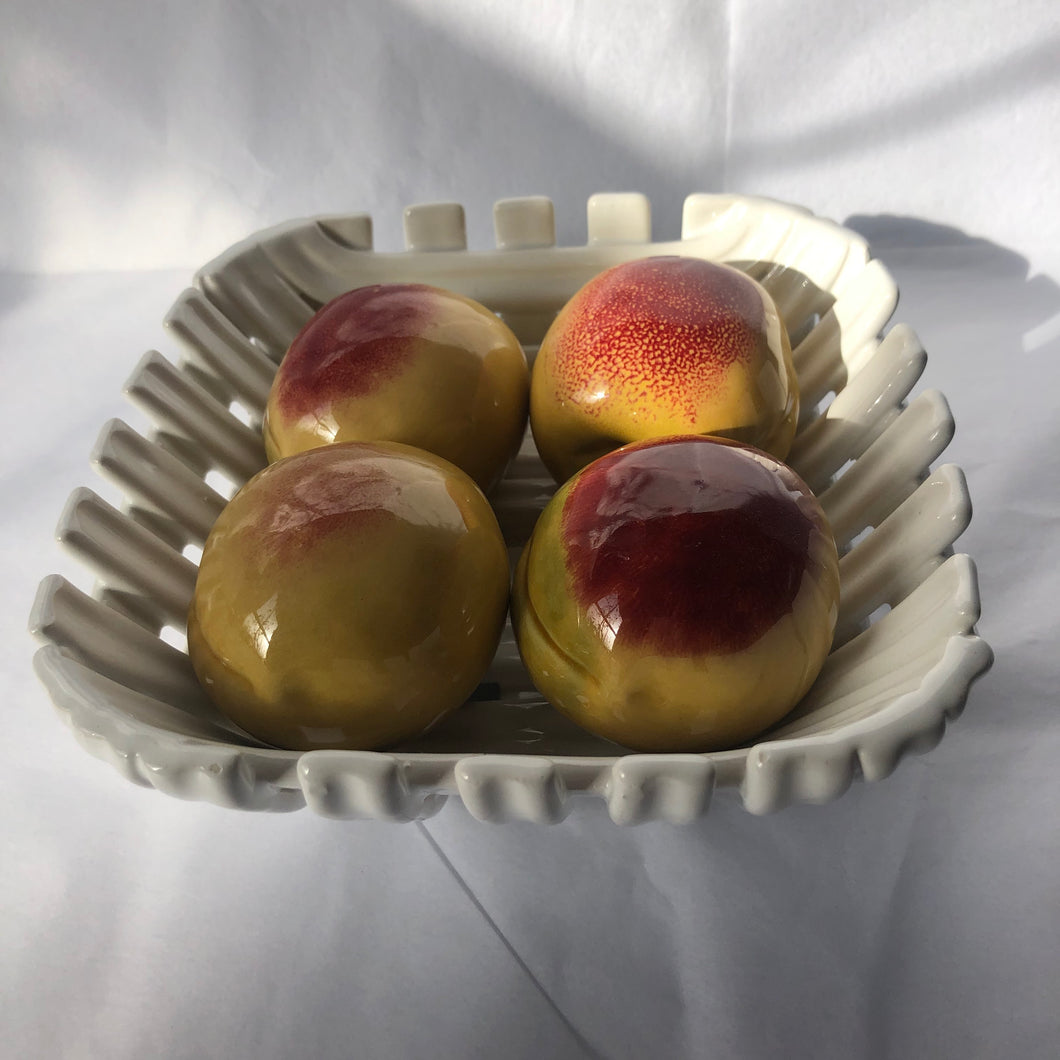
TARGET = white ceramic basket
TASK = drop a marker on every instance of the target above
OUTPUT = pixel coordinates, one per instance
(905, 651)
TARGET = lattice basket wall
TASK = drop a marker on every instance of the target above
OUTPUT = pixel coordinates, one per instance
(905, 653)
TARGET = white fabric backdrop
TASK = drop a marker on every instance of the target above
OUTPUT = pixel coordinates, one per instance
(153, 135)
(918, 917)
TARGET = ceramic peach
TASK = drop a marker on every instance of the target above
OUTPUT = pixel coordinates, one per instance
(405, 363)
(678, 594)
(348, 597)
(658, 346)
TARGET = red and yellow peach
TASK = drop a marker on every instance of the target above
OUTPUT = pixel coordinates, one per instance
(678, 594)
(405, 363)
(659, 346)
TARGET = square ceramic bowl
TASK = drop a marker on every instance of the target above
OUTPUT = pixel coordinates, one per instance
(905, 651)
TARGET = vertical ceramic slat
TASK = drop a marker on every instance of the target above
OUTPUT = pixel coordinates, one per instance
(524, 224)
(217, 387)
(890, 469)
(675, 788)
(362, 785)
(352, 231)
(811, 272)
(767, 238)
(900, 553)
(826, 257)
(138, 608)
(618, 218)
(830, 353)
(892, 658)
(174, 401)
(863, 315)
(811, 246)
(717, 219)
(747, 229)
(186, 450)
(143, 715)
(797, 298)
(126, 555)
(251, 293)
(946, 603)
(916, 723)
(861, 411)
(510, 788)
(775, 777)
(162, 526)
(150, 474)
(324, 259)
(116, 647)
(222, 348)
(435, 226)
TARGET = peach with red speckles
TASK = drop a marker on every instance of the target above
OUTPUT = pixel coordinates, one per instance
(658, 346)
(349, 597)
(405, 363)
(678, 594)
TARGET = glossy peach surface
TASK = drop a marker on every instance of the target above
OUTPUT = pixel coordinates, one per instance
(678, 595)
(406, 363)
(348, 597)
(659, 346)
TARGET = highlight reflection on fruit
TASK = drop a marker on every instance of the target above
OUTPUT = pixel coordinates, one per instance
(659, 346)
(678, 594)
(404, 363)
(349, 597)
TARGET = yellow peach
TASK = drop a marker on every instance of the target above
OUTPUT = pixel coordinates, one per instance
(349, 596)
